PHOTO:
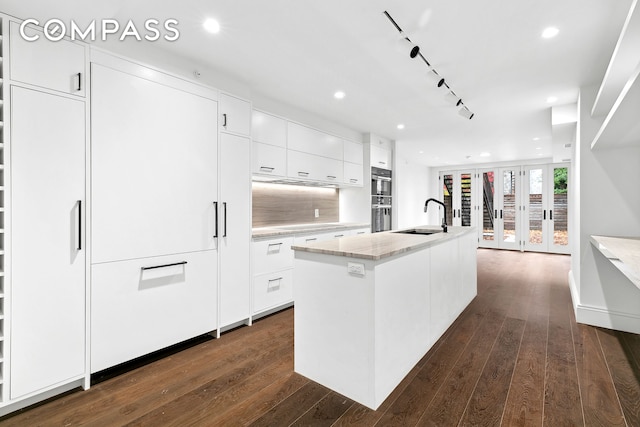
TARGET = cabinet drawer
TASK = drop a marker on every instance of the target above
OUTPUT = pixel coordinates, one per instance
(136, 310)
(271, 255)
(272, 290)
(268, 160)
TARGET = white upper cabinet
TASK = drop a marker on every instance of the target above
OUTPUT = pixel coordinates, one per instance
(268, 129)
(268, 160)
(314, 168)
(154, 168)
(307, 140)
(353, 152)
(59, 66)
(235, 115)
(353, 174)
(380, 157)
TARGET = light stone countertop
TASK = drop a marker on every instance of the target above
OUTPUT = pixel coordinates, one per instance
(376, 246)
(623, 252)
(290, 230)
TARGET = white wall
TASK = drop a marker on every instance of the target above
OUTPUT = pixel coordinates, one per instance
(412, 188)
(609, 204)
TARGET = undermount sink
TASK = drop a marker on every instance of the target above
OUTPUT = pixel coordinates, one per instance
(418, 231)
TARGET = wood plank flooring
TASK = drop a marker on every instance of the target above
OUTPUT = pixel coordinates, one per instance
(515, 357)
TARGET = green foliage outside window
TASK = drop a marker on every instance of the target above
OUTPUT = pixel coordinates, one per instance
(560, 181)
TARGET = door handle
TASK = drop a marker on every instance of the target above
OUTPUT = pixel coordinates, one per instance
(215, 208)
(500, 213)
(459, 216)
(496, 215)
(544, 215)
(224, 208)
(224, 120)
(79, 81)
(550, 215)
(79, 245)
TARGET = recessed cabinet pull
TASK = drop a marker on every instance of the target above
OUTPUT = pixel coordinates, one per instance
(79, 245)
(224, 120)
(163, 265)
(266, 169)
(79, 81)
(215, 208)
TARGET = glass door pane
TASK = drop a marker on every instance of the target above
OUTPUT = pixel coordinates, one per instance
(465, 199)
(447, 196)
(535, 207)
(509, 208)
(558, 214)
(488, 205)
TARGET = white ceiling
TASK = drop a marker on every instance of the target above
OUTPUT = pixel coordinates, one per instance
(300, 52)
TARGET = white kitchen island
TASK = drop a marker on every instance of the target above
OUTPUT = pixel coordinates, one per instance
(368, 308)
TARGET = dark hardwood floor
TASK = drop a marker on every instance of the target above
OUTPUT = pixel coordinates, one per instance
(515, 357)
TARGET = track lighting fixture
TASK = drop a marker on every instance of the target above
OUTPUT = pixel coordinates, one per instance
(464, 112)
(432, 74)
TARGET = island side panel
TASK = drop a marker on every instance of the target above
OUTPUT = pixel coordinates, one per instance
(334, 324)
(402, 318)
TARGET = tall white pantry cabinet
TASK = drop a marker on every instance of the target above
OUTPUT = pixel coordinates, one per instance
(45, 193)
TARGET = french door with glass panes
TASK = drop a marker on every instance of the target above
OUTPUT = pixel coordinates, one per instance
(499, 190)
(545, 208)
(457, 193)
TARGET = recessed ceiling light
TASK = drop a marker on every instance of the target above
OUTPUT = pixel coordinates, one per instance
(550, 32)
(538, 148)
(485, 154)
(211, 25)
(339, 95)
(536, 139)
(400, 126)
(552, 99)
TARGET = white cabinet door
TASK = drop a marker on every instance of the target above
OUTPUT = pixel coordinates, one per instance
(311, 167)
(353, 174)
(353, 152)
(48, 256)
(143, 305)
(307, 140)
(268, 129)
(54, 65)
(380, 157)
(235, 115)
(235, 229)
(268, 160)
(154, 178)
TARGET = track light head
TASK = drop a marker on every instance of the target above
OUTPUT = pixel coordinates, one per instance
(464, 112)
(415, 50)
(435, 77)
(453, 99)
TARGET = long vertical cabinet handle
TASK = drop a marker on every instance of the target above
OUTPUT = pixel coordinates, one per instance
(79, 245)
(224, 120)
(224, 208)
(79, 81)
(550, 215)
(544, 214)
(215, 208)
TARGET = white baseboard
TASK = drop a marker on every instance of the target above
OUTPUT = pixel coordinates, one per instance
(601, 317)
(596, 316)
